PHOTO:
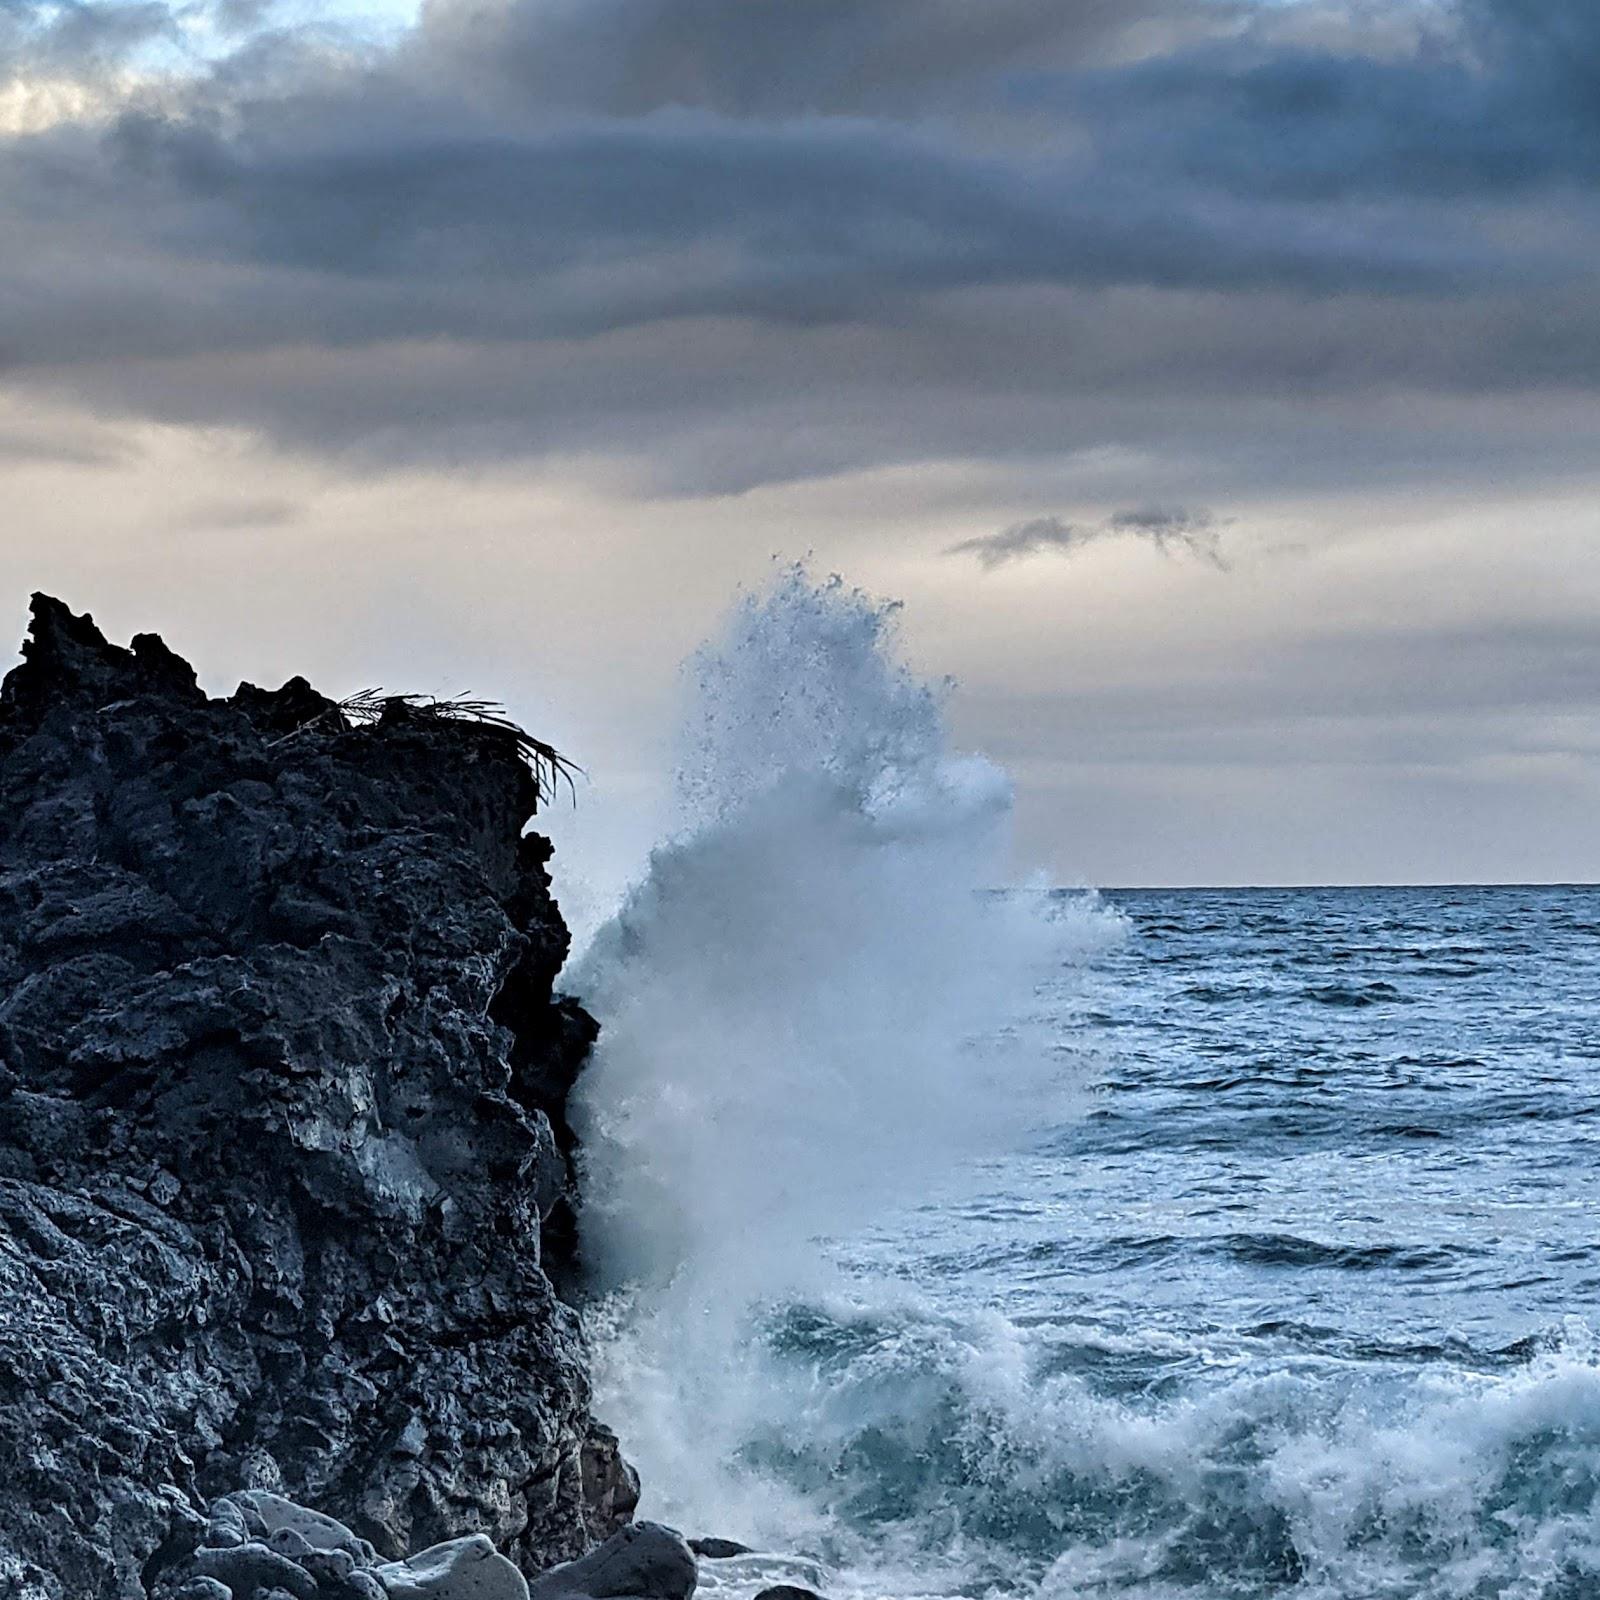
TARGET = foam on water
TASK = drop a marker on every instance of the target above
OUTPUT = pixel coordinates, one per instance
(1227, 1329)
(917, 1453)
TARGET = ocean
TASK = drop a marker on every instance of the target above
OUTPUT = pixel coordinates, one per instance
(1147, 1243)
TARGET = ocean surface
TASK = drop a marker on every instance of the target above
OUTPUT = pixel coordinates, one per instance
(1202, 1243)
(1298, 1300)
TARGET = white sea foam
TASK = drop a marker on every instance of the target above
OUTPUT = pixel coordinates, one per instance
(814, 1008)
(812, 1004)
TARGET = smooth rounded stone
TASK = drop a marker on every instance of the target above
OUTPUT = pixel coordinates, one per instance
(788, 1591)
(278, 1516)
(719, 1549)
(204, 1589)
(645, 1561)
(226, 1526)
(247, 1567)
(329, 1567)
(289, 1542)
(460, 1569)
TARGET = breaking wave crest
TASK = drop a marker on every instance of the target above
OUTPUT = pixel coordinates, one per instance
(812, 1004)
(814, 1009)
(918, 1453)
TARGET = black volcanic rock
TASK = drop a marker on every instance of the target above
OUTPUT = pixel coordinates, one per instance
(643, 1561)
(282, 1081)
(719, 1549)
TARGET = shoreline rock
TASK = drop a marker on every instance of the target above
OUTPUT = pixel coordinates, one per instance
(256, 1546)
(644, 1561)
(284, 1161)
(719, 1549)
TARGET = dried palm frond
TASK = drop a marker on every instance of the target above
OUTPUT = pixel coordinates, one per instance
(549, 767)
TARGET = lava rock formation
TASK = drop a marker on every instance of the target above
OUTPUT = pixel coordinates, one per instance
(282, 1089)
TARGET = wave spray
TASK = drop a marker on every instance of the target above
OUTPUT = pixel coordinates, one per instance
(815, 1009)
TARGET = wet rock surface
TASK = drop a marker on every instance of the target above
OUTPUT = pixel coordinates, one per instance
(645, 1561)
(711, 1549)
(460, 1569)
(282, 1085)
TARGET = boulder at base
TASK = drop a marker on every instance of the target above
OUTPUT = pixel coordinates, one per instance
(461, 1569)
(645, 1561)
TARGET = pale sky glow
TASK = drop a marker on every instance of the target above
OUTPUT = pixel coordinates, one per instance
(496, 350)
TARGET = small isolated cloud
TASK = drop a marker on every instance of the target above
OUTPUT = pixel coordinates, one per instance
(1172, 530)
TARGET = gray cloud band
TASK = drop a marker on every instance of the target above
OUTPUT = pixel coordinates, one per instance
(447, 239)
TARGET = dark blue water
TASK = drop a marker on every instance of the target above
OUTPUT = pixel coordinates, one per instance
(1369, 1114)
(1291, 1295)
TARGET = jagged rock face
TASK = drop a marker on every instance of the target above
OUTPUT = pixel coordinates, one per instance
(281, 1123)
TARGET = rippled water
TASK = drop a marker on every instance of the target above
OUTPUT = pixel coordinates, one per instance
(1342, 1121)
(1294, 1298)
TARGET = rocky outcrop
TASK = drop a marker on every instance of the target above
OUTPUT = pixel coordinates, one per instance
(282, 1084)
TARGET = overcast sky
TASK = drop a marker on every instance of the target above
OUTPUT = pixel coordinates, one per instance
(1215, 381)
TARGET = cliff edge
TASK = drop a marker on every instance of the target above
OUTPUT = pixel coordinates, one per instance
(282, 1128)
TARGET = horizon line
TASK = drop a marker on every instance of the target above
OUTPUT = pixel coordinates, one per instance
(1234, 888)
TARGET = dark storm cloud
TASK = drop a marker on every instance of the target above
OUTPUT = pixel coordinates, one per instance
(1169, 530)
(680, 214)
(558, 225)
(1497, 99)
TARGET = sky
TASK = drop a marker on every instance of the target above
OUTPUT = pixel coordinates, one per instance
(1214, 381)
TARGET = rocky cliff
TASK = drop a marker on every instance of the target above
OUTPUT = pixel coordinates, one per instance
(282, 1081)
